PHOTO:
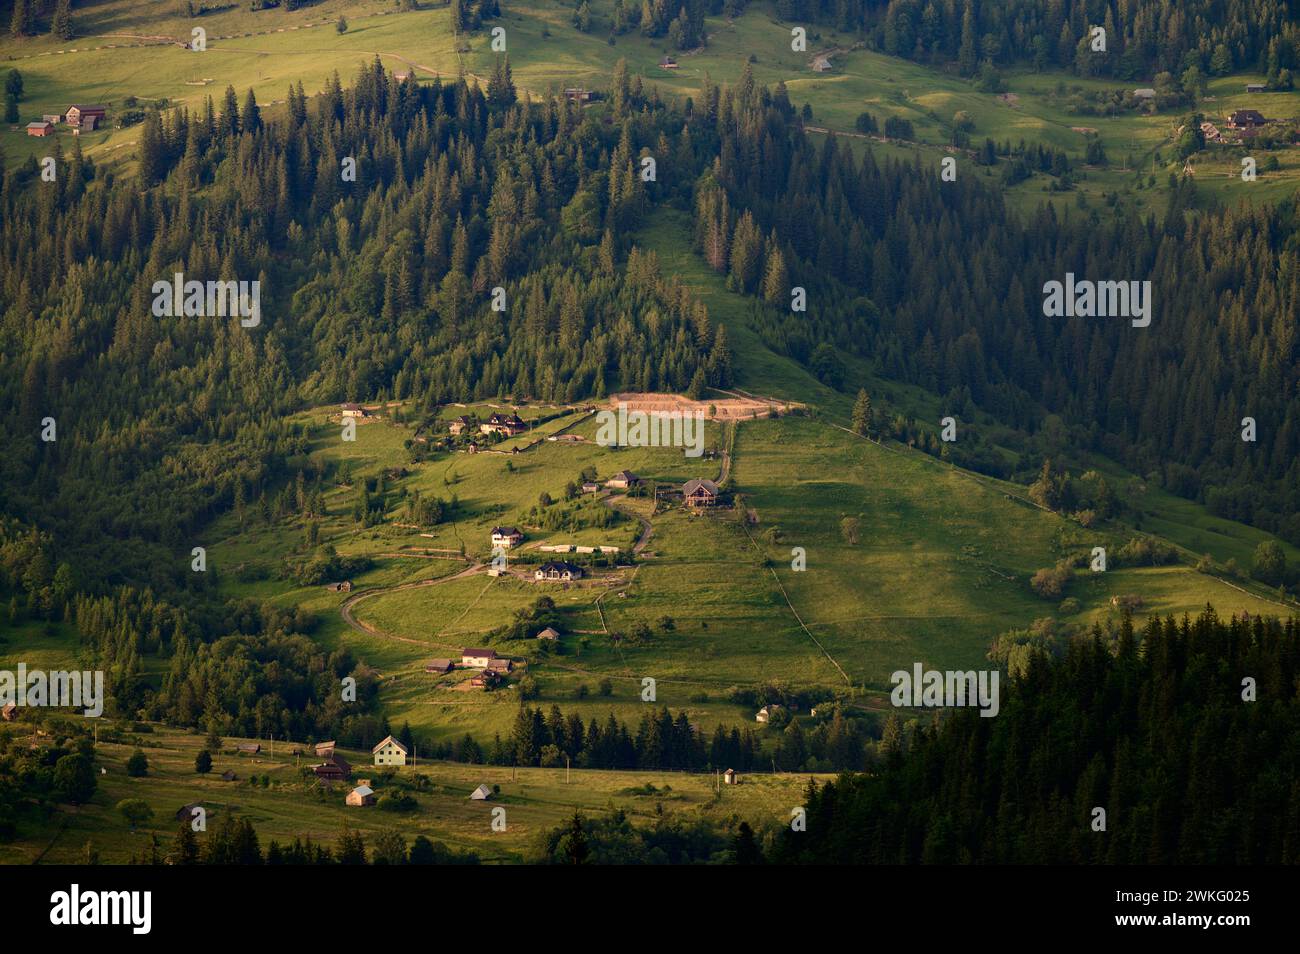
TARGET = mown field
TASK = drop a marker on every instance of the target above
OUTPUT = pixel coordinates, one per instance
(292, 806)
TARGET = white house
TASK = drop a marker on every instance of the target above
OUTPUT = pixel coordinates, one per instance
(477, 658)
(389, 752)
(507, 537)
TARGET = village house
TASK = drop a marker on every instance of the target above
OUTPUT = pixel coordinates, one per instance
(342, 586)
(699, 492)
(354, 411)
(481, 794)
(335, 769)
(576, 95)
(84, 117)
(1255, 87)
(765, 714)
(389, 752)
(822, 64)
(508, 424)
(361, 796)
(557, 570)
(729, 777)
(485, 680)
(591, 487)
(250, 748)
(1211, 132)
(186, 812)
(499, 665)
(1246, 119)
(549, 633)
(476, 658)
(324, 749)
(439, 666)
(668, 63)
(43, 128)
(459, 425)
(623, 480)
(1146, 92)
(507, 537)
(229, 776)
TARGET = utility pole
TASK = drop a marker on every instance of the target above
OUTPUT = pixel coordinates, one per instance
(566, 770)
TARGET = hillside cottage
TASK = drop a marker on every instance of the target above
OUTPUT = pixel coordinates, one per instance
(1145, 92)
(476, 658)
(84, 117)
(549, 633)
(324, 749)
(1246, 119)
(336, 769)
(591, 487)
(698, 492)
(355, 411)
(1255, 87)
(481, 794)
(250, 748)
(623, 480)
(575, 95)
(507, 537)
(343, 586)
(557, 571)
(499, 665)
(668, 63)
(765, 714)
(389, 752)
(42, 128)
(439, 666)
(507, 424)
(186, 812)
(361, 796)
(460, 425)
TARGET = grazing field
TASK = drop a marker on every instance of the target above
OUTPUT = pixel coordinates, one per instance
(292, 806)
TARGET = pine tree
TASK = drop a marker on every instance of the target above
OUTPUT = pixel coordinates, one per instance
(62, 26)
(862, 414)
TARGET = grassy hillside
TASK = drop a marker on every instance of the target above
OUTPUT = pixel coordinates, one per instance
(133, 49)
(292, 806)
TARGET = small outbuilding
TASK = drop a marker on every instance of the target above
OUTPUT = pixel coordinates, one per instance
(481, 794)
(361, 796)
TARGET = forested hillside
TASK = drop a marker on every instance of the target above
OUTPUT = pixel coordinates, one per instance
(1190, 763)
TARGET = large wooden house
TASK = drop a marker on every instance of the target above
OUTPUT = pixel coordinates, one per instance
(334, 769)
(699, 492)
(1246, 119)
(507, 424)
